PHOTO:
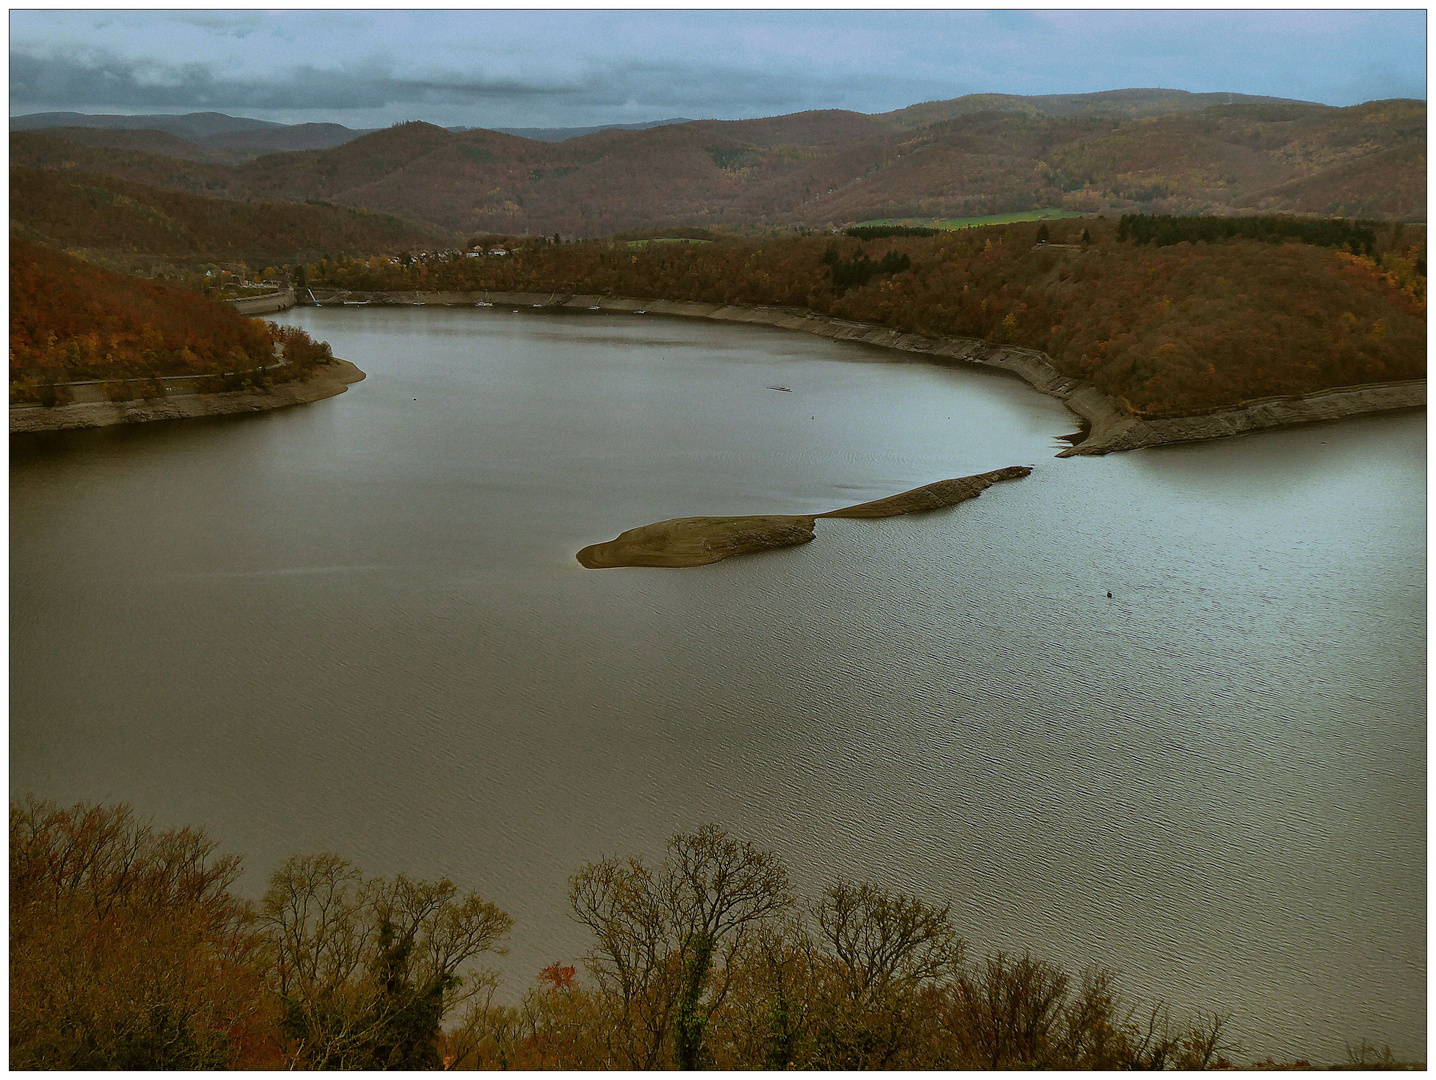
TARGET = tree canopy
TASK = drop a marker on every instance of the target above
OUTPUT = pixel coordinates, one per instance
(72, 320)
(129, 949)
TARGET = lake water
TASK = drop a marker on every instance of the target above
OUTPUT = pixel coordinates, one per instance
(359, 626)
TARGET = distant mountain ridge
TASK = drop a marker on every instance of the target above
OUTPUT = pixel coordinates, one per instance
(559, 134)
(1136, 102)
(244, 133)
(187, 126)
(240, 137)
(1141, 149)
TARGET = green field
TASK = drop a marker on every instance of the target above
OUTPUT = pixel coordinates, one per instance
(1050, 214)
(667, 240)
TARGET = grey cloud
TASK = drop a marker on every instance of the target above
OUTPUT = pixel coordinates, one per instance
(132, 83)
(58, 82)
(236, 24)
(369, 67)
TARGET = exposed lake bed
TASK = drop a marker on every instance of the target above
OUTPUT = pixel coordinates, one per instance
(698, 541)
(359, 627)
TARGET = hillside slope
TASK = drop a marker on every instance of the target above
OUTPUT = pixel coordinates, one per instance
(144, 141)
(71, 320)
(110, 216)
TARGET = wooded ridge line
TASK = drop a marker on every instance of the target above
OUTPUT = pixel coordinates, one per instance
(1110, 426)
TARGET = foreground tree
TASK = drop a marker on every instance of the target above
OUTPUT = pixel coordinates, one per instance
(666, 937)
(126, 949)
(1018, 1012)
(367, 971)
(885, 957)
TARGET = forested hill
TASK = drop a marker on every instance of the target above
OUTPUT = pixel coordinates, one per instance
(1184, 324)
(72, 320)
(110, 216)
(1151, 150)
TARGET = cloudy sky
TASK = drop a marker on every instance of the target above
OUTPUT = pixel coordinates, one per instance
(368, 68)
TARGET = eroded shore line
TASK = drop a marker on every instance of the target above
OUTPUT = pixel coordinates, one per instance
(328, 381)
(697, 541)
(1109, 426)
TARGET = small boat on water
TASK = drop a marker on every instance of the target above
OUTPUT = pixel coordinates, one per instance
(593, 307)
(785, 389)
(355, 303)
(483, 303)
(641, 311)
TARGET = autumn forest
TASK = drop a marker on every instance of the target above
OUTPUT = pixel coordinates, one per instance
(70, 320)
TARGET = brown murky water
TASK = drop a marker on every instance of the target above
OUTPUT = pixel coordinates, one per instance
(359, 626)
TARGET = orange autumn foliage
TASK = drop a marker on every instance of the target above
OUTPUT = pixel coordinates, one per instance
(72, 320)
(127, 948)
(68, 316)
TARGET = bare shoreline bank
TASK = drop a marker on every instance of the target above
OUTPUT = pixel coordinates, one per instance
(1110, 427)
(327, 382)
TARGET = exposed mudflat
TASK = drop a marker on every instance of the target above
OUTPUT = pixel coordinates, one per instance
(697, 541)
(931, 496)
